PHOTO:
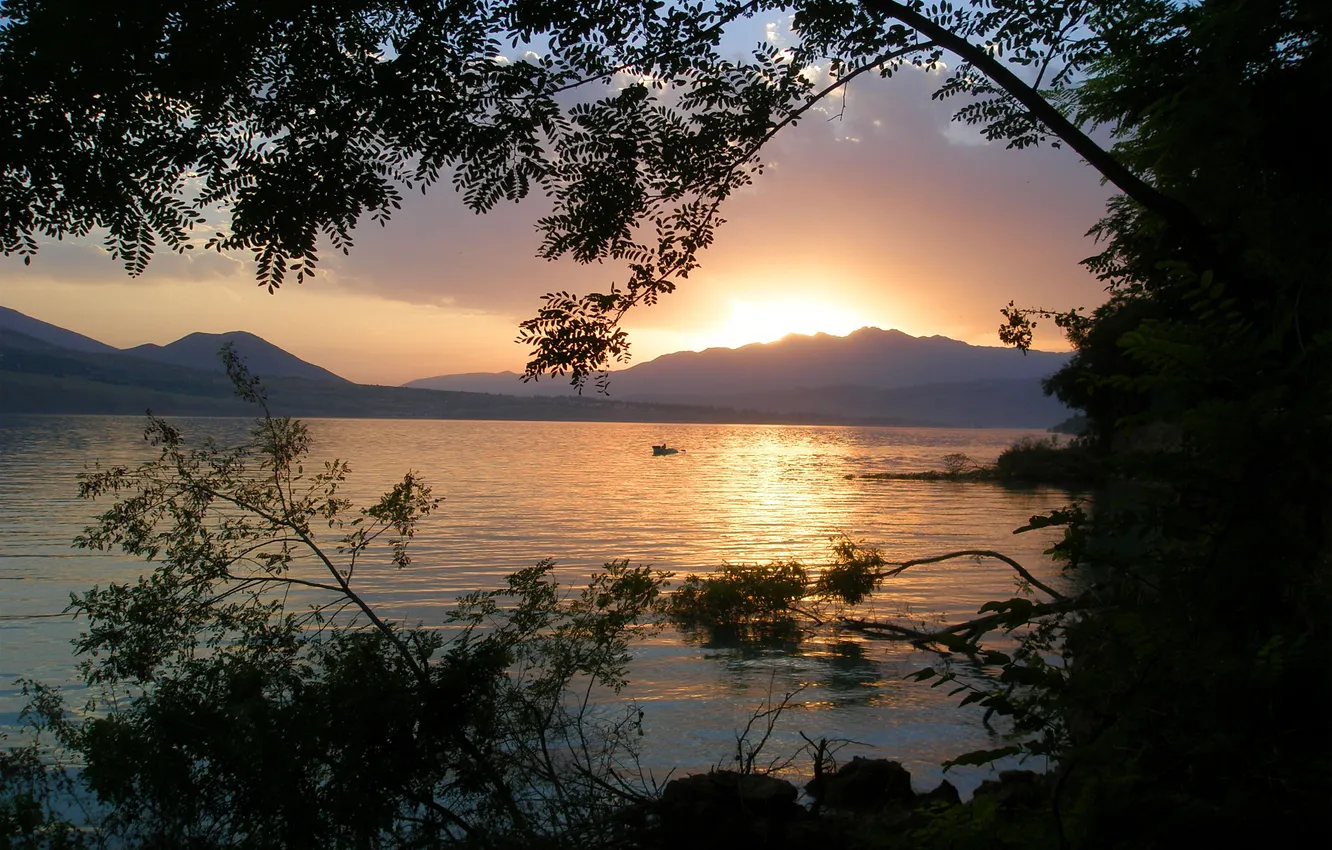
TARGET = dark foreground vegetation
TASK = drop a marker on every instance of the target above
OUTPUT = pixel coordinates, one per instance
(1176, 681)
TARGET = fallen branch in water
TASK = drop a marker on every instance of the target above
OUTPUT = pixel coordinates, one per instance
(1009, 614)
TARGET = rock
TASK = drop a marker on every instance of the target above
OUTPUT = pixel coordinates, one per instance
(1015, 788)
(945, 795)
(864, 784)
(725, 807)
(727, 788)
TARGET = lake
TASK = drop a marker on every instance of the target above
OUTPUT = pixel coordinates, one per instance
(584, 494)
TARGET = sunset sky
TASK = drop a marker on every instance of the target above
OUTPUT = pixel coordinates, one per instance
(887, 216)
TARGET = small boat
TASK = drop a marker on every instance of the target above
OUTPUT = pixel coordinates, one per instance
(663, 450)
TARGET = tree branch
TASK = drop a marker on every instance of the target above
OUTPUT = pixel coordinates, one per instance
(978, 553)
(343, 586)
(975, 626)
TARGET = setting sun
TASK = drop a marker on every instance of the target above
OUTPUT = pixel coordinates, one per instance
(768, 321)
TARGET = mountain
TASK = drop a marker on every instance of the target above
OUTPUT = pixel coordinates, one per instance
(199, 351)
(871, 374)
(500, 383)
(35, 329)
(40, 375)
(22, 354)
(870, 357)
(196, 351)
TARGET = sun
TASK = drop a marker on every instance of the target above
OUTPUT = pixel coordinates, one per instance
(768, 321)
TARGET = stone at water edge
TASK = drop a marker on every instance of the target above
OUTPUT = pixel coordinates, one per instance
(728, 789)
(945, 793)
(1015, 788)
(863, 784)
(725, 808)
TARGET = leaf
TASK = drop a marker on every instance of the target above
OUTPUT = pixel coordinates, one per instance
(977, 758)
(922, 675)
(953, 643)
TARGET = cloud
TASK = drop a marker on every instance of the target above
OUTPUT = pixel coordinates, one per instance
(87, 261)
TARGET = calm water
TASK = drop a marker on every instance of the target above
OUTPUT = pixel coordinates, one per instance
(584, 494)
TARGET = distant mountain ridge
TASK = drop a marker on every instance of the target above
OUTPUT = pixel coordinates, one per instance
(871, 357)
(199, 351)
(195, 351)
(47, 369)
(13, 320)
(870, 373)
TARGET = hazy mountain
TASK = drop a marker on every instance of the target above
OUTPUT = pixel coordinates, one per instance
(13, 340)
(767, 375)
(21, 354)
(13, 320)
(199, 351)
(39, 375)
(870, 357)
(196, 351)
(503, 383)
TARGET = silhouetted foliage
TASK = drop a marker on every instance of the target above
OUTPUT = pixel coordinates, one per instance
(1031, 461)
(1047, 461)
(1191, 698)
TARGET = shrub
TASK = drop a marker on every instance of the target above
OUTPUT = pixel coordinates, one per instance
(740, 595)
(855, 573)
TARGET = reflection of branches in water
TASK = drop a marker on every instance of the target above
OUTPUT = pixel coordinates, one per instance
(974, 653)
(751, 640)
(856, 574)
(967, 631)
(1007, 615)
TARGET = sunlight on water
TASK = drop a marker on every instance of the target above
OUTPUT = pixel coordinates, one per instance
(585, 494)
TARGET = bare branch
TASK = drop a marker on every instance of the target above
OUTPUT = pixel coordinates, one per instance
(978, 553)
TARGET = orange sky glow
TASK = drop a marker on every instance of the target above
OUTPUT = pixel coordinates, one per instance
(885, 216)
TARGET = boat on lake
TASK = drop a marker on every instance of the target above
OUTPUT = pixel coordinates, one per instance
(663, 449)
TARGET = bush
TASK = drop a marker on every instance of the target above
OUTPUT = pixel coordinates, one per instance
(958, 463)
(855, 573)
(740, 595)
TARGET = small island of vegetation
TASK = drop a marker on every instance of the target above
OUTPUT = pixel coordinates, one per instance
(1030, 461)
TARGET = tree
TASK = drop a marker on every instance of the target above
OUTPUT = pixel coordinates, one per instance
(1206, 382)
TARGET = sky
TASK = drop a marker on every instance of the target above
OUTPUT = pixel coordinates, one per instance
(882, 213)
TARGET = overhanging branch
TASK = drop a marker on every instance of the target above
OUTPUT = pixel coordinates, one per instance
(1168, 208)
(897, 569)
